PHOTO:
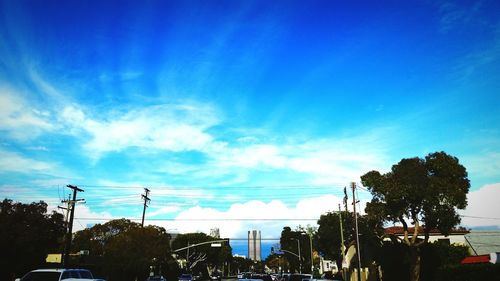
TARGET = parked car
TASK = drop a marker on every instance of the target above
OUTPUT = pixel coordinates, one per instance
(285, 276)
(300, 277)
(58, 275)
(186, 277)
(156, 278)
(216, 276)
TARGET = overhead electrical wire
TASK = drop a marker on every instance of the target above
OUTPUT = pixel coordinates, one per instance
(201, 219)
(195, 187)
(478, 217)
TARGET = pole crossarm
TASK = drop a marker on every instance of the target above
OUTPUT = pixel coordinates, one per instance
(199, 244)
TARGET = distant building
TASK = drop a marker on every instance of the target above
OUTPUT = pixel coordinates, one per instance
(327, 266)
(254, 248)
(456, 236)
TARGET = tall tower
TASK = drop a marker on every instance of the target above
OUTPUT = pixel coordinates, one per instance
(254, 245)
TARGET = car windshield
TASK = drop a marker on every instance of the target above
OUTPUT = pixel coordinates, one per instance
(85, 274)
(41, 276)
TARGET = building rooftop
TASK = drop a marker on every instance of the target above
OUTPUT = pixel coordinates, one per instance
(398, 230)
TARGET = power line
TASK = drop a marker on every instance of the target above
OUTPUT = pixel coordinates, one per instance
(486, 233)
(195, 187)
(485, 244)
(204, 219)
(478, 217)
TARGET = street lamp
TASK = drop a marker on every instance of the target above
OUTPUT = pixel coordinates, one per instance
(311, 247)
(300, 259)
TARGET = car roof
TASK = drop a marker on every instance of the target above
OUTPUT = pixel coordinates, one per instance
(58, 269)
(49, 270)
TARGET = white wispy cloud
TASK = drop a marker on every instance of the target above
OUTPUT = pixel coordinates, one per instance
(52, 182)
(189, 126)
(19, 119)
(328, 160)
(13, 162)
(171, 127)
(454, 14)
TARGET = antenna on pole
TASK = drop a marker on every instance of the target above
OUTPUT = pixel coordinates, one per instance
(146, 201)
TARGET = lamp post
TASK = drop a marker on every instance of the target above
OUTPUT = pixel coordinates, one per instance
(300, 258)
(311, 245)
(311, 248)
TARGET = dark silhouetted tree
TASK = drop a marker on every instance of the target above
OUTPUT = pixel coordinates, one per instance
(27, 234)
(424, 193)
(329, 238)
(126, 251)
(204, 255)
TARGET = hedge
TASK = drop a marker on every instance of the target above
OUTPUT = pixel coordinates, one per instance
(469, 272)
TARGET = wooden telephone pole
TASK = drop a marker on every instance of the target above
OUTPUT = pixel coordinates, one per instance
(69, 234)
(358, 252)
(146, 201)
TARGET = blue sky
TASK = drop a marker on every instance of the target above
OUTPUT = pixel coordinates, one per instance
(242, 109)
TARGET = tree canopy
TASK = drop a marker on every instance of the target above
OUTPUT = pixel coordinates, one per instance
(425, 193)
(329, 238)
(203, 254)
(27, 234)
(123, 250)
(290, 242)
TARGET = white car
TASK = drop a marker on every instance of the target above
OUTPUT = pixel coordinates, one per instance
(58, 275)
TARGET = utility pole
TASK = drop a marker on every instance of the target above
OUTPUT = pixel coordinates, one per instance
(342, 245)
(300, 258)
(67, 248)
(312, 257)
(146, 201)
(187, 258)
(67, 209)
(66, 218)
(353, 186)
(345, 200)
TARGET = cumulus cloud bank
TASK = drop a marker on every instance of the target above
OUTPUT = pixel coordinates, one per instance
(482, 209)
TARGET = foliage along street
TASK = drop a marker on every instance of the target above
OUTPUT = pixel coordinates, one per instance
(421, 194)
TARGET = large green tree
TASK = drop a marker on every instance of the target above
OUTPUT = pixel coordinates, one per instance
(123, 250)
(290, 242)
(96, 238)
(204, 255)
(329, 237)
(240, 264)
(27, 234)
(423, 193)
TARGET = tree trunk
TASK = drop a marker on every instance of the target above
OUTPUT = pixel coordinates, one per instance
(415, 264)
